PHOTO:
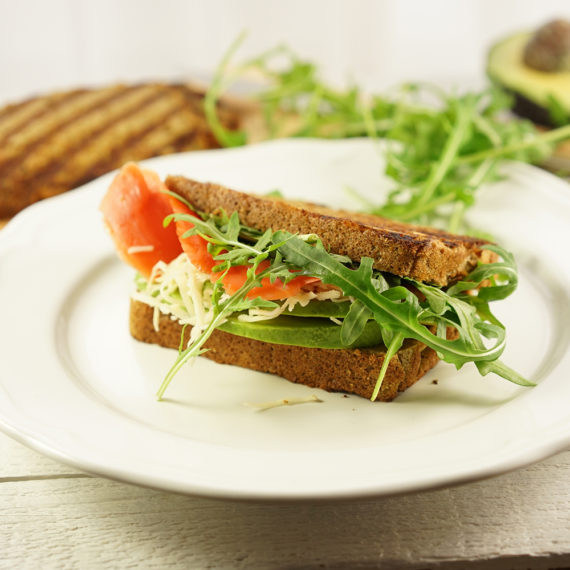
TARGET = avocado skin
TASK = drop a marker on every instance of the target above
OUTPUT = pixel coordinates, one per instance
(302, 331)
(524, 107)
(528, 87)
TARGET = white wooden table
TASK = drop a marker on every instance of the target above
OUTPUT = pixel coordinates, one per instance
(52, 516)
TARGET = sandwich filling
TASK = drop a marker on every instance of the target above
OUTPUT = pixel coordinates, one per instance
(209, 271)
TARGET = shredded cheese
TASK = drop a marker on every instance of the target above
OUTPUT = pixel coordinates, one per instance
(140, 249)
(180, 290)
(302, 298)
(183, 292)
(261, 407)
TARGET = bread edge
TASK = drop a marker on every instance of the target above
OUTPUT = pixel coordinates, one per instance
(424, 254)
(353, 371)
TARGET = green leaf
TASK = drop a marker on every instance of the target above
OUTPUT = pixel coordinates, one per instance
(397, 310)
(232, 233)
(392, 348)
(497, 367)
(217, 87)
(354, 322)
(506, 269)
(436, 301)
(556, 110)
(223, 309)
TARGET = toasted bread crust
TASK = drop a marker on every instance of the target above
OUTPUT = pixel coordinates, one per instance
(424, 254)
(55, 142)
(353, 371)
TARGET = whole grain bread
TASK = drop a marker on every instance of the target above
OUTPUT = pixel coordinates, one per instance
(354, 371)
(424, 254)
(55, 142)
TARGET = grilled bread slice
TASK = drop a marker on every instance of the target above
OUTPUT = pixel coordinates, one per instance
(50, 144)
(354, 371)
(424, 254)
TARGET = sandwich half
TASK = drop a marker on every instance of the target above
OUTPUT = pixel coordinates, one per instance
(327, 298)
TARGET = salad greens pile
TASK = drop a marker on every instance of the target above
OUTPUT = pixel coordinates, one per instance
(437, 154)
(388, 300)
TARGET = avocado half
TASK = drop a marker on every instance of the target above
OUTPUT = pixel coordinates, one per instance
(534, 91)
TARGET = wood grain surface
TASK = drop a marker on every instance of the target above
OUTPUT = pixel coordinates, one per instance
(53, 516)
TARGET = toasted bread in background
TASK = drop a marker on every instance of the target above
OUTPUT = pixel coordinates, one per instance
(423, 254)
(52, 143)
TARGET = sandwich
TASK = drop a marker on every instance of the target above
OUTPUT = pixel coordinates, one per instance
(55, 142)
(328, 298)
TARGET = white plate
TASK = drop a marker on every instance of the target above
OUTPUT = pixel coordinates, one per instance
(74, 385)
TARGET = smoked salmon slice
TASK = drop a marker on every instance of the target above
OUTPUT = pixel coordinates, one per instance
(237, 275)
(195, 247)
(134, 209)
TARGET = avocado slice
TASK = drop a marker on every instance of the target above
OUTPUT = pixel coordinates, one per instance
(299, 331)
(328, 309)
(543, 97)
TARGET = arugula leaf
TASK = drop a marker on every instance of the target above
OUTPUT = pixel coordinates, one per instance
(218, 86)
(354, 322)
(393, 344)
(399, 312)
(496, 290)
(222, 309)
(224, 236)
(556, 111)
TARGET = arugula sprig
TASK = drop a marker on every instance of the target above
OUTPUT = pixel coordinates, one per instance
(225, 242)
(222, 309)
(439, 153)
(400, 314)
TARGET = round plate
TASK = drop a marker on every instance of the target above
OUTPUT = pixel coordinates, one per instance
(76, 386)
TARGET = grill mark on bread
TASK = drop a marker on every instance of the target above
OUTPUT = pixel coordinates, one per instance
(420, 253)
(11, 108)
(186, 139)
(12, 113)
(15, 116)
(32, 160)
(86, 105)
(157, 142)
(193, 98)
(32, 111)
(121, 153)
(182, 130)
(43, 179)
(88, 171)
(187, 130)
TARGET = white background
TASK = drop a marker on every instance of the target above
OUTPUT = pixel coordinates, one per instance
(52, 44)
